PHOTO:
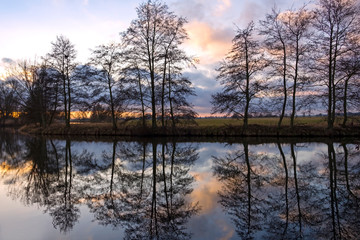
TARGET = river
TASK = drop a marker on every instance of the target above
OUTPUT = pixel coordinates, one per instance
(178, 189)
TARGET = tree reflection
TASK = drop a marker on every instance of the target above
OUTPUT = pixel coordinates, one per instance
(241, 194)
(62, 205)
(150, 198)
(273, 196)
(343, 209)
(287, 191)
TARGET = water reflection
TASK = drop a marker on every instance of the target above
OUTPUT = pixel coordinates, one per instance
(142, 187)
(272, 196)
(151, 189)
(145, 190)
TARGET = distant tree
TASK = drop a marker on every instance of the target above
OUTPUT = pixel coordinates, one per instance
(107, 58)
(237, 74)
(62, 59)
(335, 21)
(21, 78)
(43, 100)
(8, 101)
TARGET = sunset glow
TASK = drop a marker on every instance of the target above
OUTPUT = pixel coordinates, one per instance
(211, 27)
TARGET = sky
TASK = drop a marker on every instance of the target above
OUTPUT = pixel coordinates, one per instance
(29, 26)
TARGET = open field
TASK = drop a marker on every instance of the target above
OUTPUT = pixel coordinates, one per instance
(258, 127)
(273, 121)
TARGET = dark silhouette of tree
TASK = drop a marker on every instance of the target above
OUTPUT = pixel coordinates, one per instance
(63, 209)
(276, 42)
(153, 35)
(287, 35)
(240, 195)
(335, 19)
(349, 66)
(138, 79)
(237, 74)
(43, 100)
(8, 102)
(298, 25)
(35, 91)
(147, 194)
(179, 88)
(108, 59)
(62, 59)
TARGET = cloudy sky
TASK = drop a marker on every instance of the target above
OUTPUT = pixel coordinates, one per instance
(28, 28)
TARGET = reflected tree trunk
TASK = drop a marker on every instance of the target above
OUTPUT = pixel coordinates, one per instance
(293, 155)
(286, 188)
(57, 159)
(333, 191)
(153, 217)
(172, 173)
(143, 169)
(113, 168)
(248, 180)
(164, 176)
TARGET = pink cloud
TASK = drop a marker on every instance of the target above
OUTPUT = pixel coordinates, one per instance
(208, 43)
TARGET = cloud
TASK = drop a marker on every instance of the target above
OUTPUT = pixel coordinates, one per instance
(207, 42)
(222, 7)
(205, 84)
(7, 61)
(192, 10)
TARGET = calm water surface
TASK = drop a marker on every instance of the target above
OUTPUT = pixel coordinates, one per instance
(63, 189)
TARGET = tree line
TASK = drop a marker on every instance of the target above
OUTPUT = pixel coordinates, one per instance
(142, 75)
(294, 59)
(291, 60)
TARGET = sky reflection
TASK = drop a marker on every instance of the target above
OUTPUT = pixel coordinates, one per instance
(192, 190)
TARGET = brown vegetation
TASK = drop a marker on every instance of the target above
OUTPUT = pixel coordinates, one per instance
(267, 127)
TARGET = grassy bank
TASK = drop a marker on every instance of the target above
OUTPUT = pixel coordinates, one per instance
(215, 127)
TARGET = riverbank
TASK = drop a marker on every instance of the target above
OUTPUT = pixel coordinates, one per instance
(225, 130)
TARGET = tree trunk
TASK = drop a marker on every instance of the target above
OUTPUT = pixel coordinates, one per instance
(142, 100)
(69, 96)
(65, 100)
(112, 104)
(345, 101)
(170, 101)
(297, 188)
(284, 83)
(295, 84)
(247, 88)
(163, 93)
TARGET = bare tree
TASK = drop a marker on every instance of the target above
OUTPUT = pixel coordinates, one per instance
(349, 67)
(286, 34)
(32, 87)
(175, 36)
(137, 77)
(276, 41)
(108, 59)
(152, 35)
(237, 74)
(335, 20)
(8, 101)
(62, 59)
(298, 23)
(179, 87)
